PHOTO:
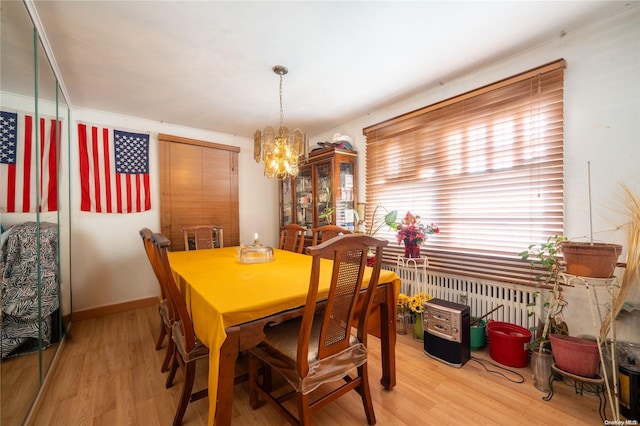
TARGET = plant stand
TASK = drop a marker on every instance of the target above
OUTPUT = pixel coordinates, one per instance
(591, 385)
(598, 314)
(412, 273)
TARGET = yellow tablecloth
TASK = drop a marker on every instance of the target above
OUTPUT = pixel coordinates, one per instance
(221, 292)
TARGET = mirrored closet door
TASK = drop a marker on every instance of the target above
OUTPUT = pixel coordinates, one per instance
(34, 214)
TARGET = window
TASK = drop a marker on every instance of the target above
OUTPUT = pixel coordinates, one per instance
(485, 166)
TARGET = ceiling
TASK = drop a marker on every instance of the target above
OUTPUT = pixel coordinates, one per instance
(207, 64)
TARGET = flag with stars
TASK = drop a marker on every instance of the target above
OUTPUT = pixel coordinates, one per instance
(28, 171)
(114, 170)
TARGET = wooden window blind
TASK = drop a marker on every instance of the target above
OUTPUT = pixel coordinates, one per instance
(485, 166)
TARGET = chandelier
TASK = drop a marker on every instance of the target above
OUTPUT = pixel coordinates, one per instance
(281, 151)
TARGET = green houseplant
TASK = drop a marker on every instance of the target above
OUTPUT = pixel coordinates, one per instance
(327, 212)
(388, 218)
(377, 223)
(547, 255)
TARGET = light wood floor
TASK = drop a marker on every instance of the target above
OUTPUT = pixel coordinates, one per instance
(20, 381)
(109, 374)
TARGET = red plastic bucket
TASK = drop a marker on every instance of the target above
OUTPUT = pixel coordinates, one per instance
(508, 343)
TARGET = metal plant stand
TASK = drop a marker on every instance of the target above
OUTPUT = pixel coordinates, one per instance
(599, 311)
(413, 273)
(591, 385)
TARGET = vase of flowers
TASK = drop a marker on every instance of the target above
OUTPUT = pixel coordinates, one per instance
(412, 233)
(411, 251)
(414, 306)
(418, 328)
(402, 315)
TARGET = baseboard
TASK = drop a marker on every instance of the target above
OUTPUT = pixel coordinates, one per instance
(113, 309)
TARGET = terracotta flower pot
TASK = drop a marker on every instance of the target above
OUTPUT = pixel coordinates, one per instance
(597, 260)
(575, 355)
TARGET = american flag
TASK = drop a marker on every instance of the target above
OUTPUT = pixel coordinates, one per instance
(114, 170)
(21, 167)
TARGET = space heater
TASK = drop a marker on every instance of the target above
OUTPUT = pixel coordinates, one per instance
(629, 386)
(447, 331)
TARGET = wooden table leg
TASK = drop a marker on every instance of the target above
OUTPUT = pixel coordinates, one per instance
(226, 375)
(388, 338)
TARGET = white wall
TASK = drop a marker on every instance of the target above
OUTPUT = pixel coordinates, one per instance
(109, 264)
(602, 126)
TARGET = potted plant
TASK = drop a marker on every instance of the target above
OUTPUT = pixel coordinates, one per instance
(378, 222)
(572, 354)
(547, 255)
(540, 345)
(412, 233)
(388, 219)
(589, 259)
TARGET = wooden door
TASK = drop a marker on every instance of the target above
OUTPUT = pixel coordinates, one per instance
(199, 186)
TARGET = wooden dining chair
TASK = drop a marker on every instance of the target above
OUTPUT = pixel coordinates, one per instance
(292, 237)
(163, 309)
(326, 232)
(319, 347)
(203, 237)
(188, 348)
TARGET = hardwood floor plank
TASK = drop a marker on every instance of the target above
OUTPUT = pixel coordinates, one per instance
(109, 374)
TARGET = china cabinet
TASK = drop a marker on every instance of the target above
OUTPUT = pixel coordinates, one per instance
(323, 193)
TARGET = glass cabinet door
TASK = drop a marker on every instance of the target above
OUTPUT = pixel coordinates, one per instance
(324, 209)
(304, 198)
(345, 197)
(286, 202)
(323, 193)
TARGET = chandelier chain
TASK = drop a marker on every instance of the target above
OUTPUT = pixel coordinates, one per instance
(281, 111)
(281, 151)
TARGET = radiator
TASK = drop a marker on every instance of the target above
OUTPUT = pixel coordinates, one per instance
(480, 295)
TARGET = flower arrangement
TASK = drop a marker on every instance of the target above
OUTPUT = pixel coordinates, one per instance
(415, 303)
(410, 309)
(403, 301)
(413, 232)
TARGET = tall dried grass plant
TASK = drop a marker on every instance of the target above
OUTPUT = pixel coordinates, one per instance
(631, 274)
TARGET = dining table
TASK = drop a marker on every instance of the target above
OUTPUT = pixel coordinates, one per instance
(231, 303)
